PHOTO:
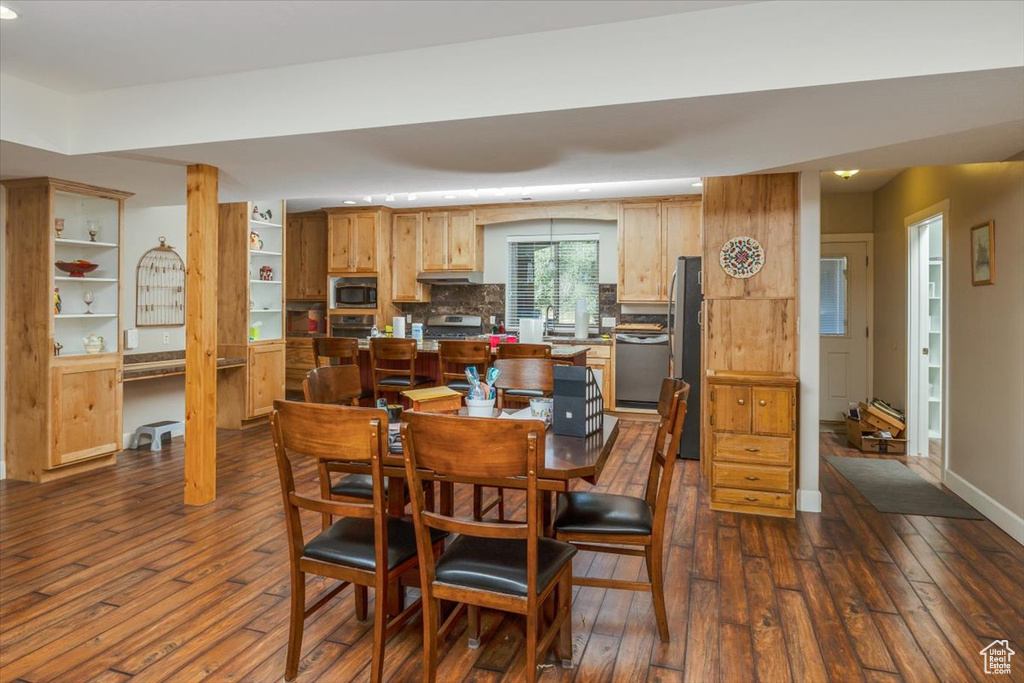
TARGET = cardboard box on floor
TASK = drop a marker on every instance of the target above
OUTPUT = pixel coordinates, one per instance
(863, 439)
(873, 419)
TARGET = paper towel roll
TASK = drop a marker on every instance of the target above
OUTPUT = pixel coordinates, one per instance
(531, 330)
(398, 327)
(582, 319)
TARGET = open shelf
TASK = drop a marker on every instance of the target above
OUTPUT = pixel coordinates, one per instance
(264, 310)
(265, 282)
(85, 243)
(263, 252)
(65, 316)
(265, 224)
(68, 278)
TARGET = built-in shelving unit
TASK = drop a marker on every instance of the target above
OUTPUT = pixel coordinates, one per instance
(935, 340)
(63, 401)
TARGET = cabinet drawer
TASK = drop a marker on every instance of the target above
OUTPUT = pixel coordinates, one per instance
(761, 499)
(753, 477)
(761, 450)
(599, 351)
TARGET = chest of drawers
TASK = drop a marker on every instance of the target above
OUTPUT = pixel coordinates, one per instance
(752, 424)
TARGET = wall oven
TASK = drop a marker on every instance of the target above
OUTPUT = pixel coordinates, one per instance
(358, 326)
(354, 292)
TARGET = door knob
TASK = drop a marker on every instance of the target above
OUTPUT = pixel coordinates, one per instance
(741, 401)
(762, 402)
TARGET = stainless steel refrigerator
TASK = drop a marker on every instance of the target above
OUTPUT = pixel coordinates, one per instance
(684, 304)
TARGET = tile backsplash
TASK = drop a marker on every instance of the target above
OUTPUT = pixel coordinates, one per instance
(489, 299)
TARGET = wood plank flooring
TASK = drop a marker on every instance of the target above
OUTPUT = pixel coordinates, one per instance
(111, 578)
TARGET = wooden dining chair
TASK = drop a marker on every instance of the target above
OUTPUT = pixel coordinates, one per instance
(626, 525)
(392, 378)
(365, 547)
(454, 356)
(508, 567)
(337, 351)
(337, 384)
(524, 351)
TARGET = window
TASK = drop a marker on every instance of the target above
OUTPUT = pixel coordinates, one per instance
(553, 272)
(833, 297)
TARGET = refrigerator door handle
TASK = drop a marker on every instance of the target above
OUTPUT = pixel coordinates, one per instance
(671, 323)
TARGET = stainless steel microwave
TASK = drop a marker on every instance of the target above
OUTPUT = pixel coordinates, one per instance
(355, 293)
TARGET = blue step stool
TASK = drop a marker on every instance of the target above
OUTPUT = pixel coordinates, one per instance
(156, 431)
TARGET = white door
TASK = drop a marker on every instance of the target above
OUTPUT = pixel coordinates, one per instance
(844, 327)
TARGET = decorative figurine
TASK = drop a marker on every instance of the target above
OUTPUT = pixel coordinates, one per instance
(58, 226)
(57, 346)
(94, 343)
(255, 243)
(255, 212)
(266, 273)
(56, 301)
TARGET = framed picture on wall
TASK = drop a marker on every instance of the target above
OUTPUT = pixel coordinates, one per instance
(983, 261)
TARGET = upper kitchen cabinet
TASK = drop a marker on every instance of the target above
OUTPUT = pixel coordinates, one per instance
(452, 241)
(407, 258)
(764, 207)
(652, 235)
(307, 256)
(352, 241)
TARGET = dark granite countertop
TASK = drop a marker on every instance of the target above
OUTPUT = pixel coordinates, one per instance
(139, 366)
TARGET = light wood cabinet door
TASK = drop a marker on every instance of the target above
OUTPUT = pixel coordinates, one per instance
(681, 224)
(730, 408)
(293, 278)
(406, 230)
(313, 258)
(462, 241)
(364, 247)
(86, 411)
(266, 378)
(607, 378)
(641, 254)
(773, 411)
(435, 241)
(341, 236)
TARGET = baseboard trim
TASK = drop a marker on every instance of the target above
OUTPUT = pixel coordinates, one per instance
(996, 512)
(808, 501)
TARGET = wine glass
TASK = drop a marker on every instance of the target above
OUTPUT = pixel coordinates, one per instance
(94, 229)
(88, 299)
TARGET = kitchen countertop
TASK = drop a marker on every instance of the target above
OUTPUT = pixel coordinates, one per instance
(138, 366)
(557, 350)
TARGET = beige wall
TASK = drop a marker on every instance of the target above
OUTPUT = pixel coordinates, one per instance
(985, 429)
(847, 212)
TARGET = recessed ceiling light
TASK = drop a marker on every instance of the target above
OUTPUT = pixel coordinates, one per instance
(450, 196)
(583, 189)
(389, 198)
(7, 13)
(698, 184)
(349, 201)
(846, 175)
(413, 196)
(368, 198)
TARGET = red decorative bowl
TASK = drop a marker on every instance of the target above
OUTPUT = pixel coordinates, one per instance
(77, 268)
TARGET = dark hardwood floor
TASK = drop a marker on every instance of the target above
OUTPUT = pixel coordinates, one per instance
(110, 577)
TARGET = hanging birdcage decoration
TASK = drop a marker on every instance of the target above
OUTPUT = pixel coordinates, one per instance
(160, 288)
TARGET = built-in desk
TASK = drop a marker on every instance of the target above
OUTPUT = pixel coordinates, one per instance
(140, 366)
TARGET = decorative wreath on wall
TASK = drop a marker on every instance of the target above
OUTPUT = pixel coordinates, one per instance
(742, 257)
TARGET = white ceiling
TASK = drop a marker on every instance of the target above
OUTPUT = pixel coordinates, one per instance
(77, 46)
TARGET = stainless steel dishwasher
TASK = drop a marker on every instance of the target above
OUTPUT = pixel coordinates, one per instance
(641, 362)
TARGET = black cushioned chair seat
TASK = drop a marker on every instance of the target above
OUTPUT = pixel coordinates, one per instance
(397, 381)
(350, 542)
(459, 386)
(603, 513)
(524, 393)
(499, 564)
(356, 486)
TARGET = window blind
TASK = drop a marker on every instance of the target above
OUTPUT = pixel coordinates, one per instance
(553, 273)
(833, 297)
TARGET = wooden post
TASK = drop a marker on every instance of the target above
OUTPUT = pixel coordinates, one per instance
(201, 337)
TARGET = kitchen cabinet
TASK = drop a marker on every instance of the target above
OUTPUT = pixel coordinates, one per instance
(652, 235)
(407, 258)
(452, 241)
(298, 362)
(266, 378)
(601, 359)
(752, 423)
(63, 400)
(352, 242)
(307, 257)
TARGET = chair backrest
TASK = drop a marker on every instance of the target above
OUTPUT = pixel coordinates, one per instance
(672, 414)
(524, 350)
(324, 433)
(454, 356)
(534, 374)
(473, 450)
(338, 384)
(345, 350)
(391, 349)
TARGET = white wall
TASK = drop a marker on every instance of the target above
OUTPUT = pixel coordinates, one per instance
(808, 497)
(3, 334)
(153, 399)
(496, 244)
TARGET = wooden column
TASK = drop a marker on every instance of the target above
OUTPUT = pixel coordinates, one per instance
(201, 337)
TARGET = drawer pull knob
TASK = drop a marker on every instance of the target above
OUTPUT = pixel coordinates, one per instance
(751, 478)
(752, 450)
(750, 498)
(741, 401)
(762, 402)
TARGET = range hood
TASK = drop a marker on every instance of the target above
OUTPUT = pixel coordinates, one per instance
(451, 278)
